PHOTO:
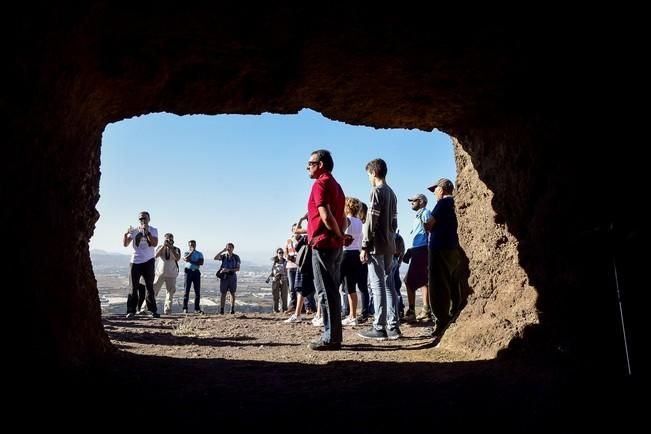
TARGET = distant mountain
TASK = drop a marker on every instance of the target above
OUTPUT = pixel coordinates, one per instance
(102, 259)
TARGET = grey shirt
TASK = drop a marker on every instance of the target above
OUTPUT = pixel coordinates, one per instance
(379, 233)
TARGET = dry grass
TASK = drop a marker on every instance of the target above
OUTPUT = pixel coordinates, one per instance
(190, 327)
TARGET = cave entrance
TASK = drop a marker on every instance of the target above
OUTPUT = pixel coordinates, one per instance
(210, 178)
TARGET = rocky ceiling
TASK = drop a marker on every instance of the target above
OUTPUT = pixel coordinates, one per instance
(535, 230)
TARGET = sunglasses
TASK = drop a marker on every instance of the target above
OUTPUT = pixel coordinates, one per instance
(310, 163)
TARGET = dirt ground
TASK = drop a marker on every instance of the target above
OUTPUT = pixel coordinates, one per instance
(254, 371)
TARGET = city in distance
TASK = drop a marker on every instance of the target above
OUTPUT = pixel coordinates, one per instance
(112, 275)
(253, 293)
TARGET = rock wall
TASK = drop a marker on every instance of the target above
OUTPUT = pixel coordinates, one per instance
(532, 223)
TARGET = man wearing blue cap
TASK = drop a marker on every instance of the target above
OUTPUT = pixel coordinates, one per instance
(444, 255)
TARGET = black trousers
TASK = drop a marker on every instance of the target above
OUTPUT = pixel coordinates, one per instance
(443, 282)
(134, 299)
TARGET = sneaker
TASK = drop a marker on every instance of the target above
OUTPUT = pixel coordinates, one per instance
(232, 311)
(221, 311)
(425, 314)
(293, 319)
(373, 333)
(130, 315)
(290, 311)
(324, 346)
(393, 334)
(409, 317)
(168, 311)
(199, 312)
(142, 312)
(155, 315)
(185, 311)
(317, 321)
(362, 319)
(349, 321)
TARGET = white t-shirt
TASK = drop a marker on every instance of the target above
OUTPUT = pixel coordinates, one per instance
(142, 251)
(354, 230)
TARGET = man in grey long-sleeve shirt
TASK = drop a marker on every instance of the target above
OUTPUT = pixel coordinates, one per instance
(378, 247)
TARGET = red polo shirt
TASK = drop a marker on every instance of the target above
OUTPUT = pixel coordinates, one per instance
(325, 191)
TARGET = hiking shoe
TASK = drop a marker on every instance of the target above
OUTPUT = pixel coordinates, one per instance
(393, 334)
(317, 321)
(373, 333)
(425, 314)
(293, 319)
(410, 316)
(130, 315)
(324, 346)
(348, 321)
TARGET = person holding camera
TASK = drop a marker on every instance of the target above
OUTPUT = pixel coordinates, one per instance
(167, 269)
(227, 276)
(143, 239)
(279, 283)
(193, 260)
(292, 268)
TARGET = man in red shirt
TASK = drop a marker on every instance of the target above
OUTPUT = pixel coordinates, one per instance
(326, 222)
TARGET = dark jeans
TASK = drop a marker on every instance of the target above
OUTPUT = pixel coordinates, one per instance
(192, 277)
(398, 284)
(326, 266)
(442, 282)
(291, 277)
(146, 271)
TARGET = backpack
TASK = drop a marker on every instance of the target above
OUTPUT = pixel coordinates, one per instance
(304, 259)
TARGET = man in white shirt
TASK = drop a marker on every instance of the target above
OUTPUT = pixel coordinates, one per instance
(143, 239)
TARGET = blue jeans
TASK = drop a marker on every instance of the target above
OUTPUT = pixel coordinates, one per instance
(326, 266)
(382, 283)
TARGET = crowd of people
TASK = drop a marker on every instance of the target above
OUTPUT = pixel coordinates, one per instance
(157, 264)
(353, 247)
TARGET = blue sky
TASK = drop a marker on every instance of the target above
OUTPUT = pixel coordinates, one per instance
(242, 178)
